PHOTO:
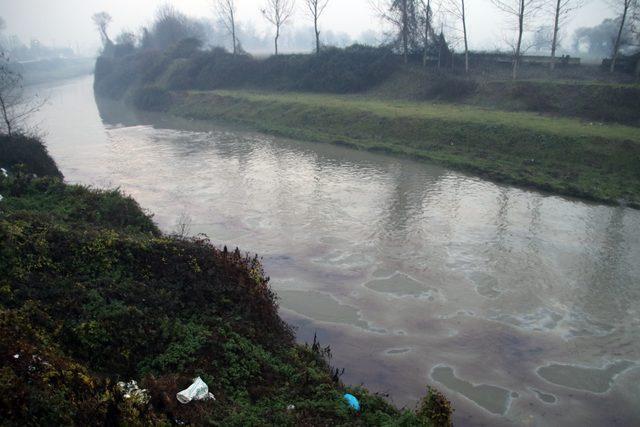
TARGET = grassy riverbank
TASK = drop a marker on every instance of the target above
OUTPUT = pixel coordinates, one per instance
(562, 155)
(92, 293)
(530, 133)
(566, 95)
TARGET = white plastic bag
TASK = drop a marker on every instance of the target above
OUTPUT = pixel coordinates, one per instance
(196, 391)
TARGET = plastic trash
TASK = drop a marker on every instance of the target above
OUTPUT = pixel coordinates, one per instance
(1, 197)
(199, 390)
(131, 391)
(4, 172)
(352, 401)
(291, 408)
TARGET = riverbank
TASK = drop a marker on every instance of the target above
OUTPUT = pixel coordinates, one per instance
(560, 155)
(50, 70)
(92, 293)
(528, 133)
(580, 93)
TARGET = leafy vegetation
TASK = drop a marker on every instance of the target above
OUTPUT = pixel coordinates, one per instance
(151, 98)
(27, 154)
(353, 69)
(91, 293)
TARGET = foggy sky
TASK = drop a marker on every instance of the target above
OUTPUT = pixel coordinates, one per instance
(68, 22)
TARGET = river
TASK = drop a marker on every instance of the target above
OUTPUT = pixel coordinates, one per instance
(522, 307)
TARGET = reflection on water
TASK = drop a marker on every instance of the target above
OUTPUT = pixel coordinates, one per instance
(400, 285)
(494, 399)
(320, 307)
(508, 300)
(580, 378)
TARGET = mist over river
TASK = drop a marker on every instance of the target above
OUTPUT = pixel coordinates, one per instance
(523, 308)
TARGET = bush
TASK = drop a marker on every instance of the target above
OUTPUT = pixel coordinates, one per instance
(449, 88)
(435, 409)
(615, 103)
(353, 69)
(113, 77)
(28, 154)
(151, 98)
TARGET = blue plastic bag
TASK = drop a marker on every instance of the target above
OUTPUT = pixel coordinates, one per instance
(352, 401)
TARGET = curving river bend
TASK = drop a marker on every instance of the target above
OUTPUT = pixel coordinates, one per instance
(523, 308)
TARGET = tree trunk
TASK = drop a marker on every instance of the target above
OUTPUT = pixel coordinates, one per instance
(516, 60)
(405, 31)
(5, 116)
(554, 43)
(426, 34)
(616, 47)
(276, 41)
(315, 25)
(233, 32)
(425, 53)
(466, 44)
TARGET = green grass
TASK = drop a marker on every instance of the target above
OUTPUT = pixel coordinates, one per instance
(454, 113)
(562, 155)
(587, 83)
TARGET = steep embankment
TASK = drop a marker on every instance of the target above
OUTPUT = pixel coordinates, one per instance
(569, 95)
(92, 293)
(561, 155)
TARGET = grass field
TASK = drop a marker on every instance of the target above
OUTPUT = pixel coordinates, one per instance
(562, 155)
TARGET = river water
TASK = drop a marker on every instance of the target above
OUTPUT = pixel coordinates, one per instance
(522, 307)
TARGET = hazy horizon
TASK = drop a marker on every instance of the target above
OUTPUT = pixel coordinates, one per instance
(68, 23)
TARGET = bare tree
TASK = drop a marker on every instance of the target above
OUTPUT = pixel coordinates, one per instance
(2, 39)
(226, 10)
(15, 107)
(561, 14)
(426, 17)
(457, 9)
(401, 14)
(543, 38)
(183, 226)
(524, 11)
(278, 12)
(316, 8)
(102, 21)
(628, 9)
(172, 26)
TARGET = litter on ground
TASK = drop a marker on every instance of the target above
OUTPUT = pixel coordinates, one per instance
(131, 391)
(352, 401)
(196, 391)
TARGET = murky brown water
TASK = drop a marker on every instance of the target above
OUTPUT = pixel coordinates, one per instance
(522, 307)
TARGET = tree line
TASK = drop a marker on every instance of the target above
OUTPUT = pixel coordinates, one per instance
(426, 27)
